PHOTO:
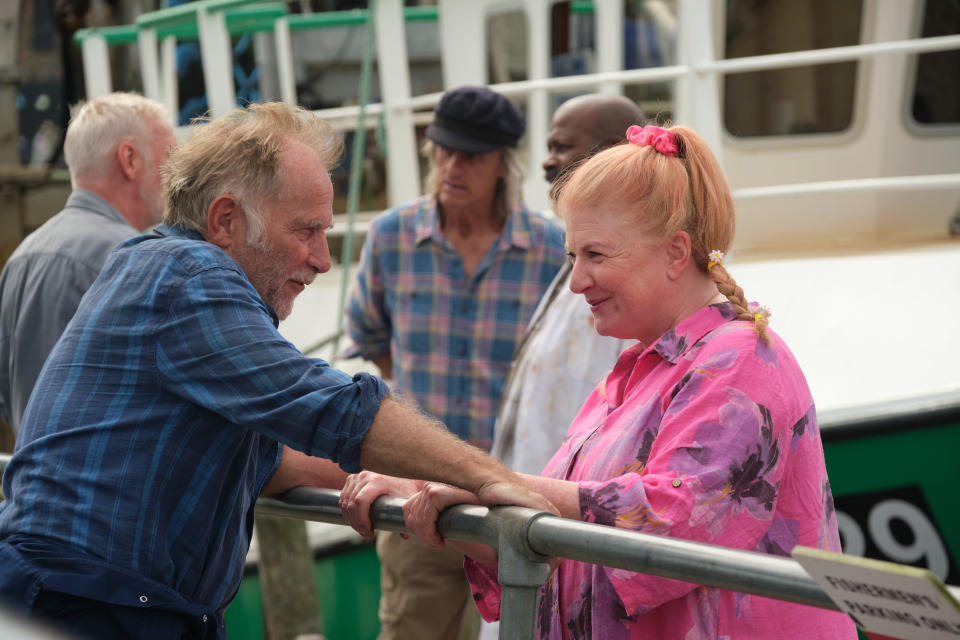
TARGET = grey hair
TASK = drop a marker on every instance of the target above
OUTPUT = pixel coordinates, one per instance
(509, 188)
(239, 154)
(98, 127)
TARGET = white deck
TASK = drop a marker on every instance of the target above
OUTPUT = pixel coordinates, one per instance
(867, 327)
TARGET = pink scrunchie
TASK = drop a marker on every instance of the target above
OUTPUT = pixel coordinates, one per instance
(660, 139)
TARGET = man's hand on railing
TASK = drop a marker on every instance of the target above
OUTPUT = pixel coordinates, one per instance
(361, 490)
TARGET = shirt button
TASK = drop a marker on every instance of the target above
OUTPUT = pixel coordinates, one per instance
(203, 618)
(143, 599)
(677, 482)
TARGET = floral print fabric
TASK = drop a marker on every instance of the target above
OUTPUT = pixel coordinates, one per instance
(708, 435)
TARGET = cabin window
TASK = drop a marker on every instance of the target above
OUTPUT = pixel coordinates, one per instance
(796, 100)
(936, 92)
(507, 46)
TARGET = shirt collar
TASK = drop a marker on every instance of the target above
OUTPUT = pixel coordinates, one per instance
(180, 231)
(86, 199)
(671, 346)
(676, 342)
(515, 232)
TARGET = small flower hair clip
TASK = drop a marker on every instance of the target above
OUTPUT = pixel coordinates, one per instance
(660, 139)
(715, 257)
(761, 313)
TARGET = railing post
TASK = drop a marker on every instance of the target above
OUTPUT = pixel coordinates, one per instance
(403, 169)
(285, 69)
(609, 26)
(168, 78)
(96, 66)
(538, 107)
(697, 100)
(149, 63)
(521, 571)
(217, 55)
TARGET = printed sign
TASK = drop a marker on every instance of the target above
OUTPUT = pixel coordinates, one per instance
(885, 598)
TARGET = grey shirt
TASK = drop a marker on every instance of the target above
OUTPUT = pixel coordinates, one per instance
(41, 286)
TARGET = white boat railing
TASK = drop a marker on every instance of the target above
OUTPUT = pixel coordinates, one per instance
(696, 96)
(526, 539)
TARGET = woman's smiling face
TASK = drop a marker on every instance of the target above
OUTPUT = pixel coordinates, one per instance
(620, 269)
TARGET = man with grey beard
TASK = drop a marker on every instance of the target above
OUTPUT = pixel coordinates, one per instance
(172, 402)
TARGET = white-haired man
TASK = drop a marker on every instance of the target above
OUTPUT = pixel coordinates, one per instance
(114, 147)
(172, 402)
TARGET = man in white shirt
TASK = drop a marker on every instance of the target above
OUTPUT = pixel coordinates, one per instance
(561, 358)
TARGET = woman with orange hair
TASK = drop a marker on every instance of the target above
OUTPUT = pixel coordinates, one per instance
(704, 430)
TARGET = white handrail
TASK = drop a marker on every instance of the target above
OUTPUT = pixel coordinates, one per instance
(892, 183)
(832, 54)
(672, 72)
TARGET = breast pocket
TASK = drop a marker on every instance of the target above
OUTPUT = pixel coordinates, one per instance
(415, 321)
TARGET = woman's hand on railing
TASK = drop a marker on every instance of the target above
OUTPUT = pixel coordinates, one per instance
(423, 508)
(518, 494)
(361, 490)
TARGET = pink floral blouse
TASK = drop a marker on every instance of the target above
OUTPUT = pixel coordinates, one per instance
(709, 435)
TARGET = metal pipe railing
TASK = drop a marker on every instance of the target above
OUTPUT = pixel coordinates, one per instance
(525, 539)
(889, 183)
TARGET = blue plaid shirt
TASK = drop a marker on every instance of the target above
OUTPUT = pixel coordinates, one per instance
(157, 421)
(451, 338)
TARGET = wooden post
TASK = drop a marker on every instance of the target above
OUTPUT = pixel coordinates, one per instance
(287, 582)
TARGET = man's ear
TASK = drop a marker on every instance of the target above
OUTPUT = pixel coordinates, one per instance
(224, 220)
(128, 159)
(678, 252)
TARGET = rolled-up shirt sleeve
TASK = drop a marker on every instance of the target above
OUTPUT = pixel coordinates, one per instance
(221, 351)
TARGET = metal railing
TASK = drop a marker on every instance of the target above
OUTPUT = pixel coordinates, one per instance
(525, 539)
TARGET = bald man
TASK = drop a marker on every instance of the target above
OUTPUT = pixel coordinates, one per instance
(561, 358)
(583, 125)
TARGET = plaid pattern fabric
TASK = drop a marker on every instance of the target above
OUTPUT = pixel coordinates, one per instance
(451, 338)
(156, 421)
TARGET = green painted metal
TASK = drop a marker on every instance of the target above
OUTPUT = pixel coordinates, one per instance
(119, 35)
(247, 19)
(258, 17)
(348, 585)
(244, 19)
(354, 17)
(581, 6)
(186, 12)
(924, 457)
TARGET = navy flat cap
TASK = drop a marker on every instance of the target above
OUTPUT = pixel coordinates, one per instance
(476, 120)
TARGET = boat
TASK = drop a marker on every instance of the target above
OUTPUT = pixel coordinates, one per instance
(837, 124)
